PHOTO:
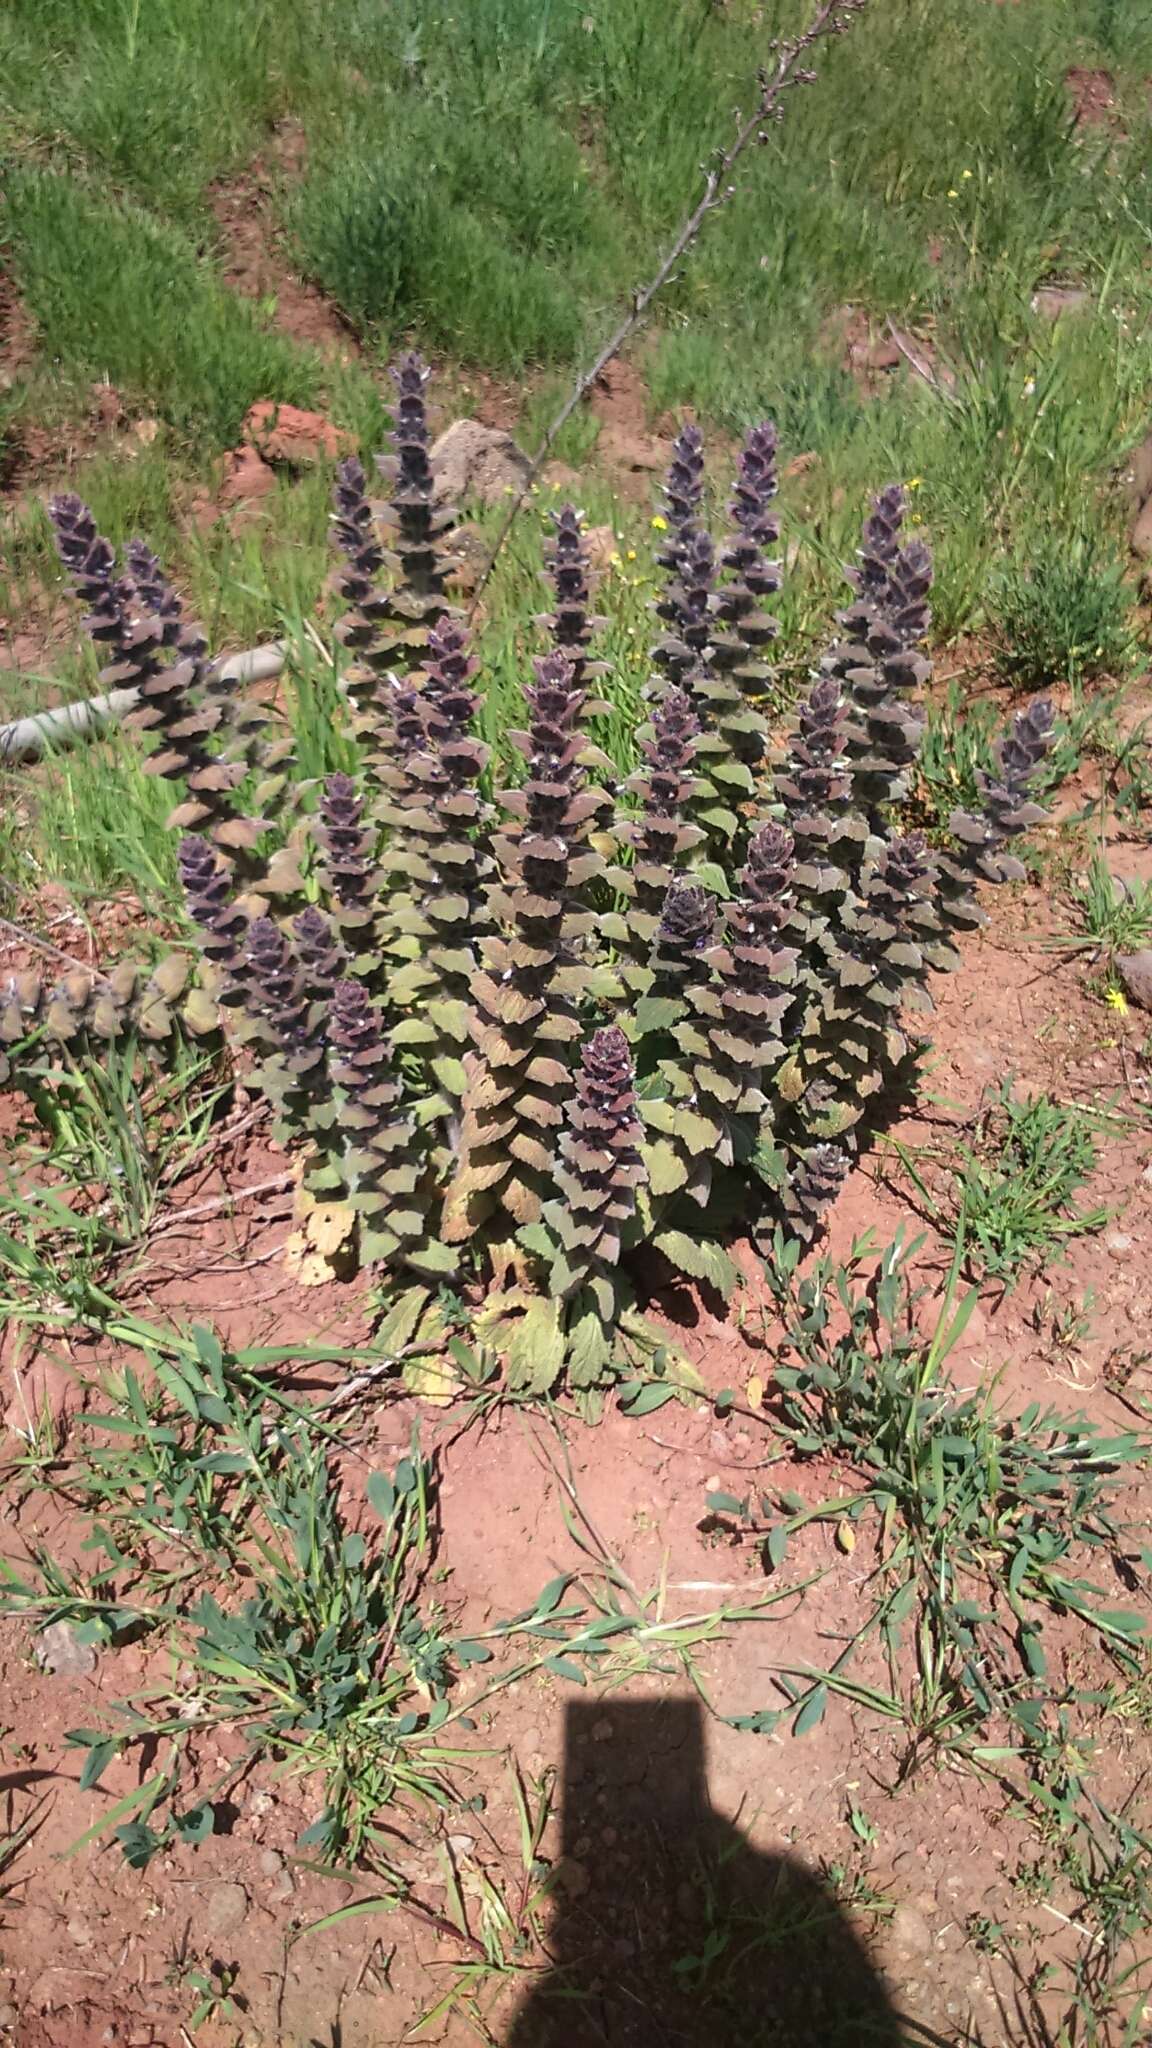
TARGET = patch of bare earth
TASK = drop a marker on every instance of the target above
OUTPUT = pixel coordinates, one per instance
(255, 258)
(96, 1953)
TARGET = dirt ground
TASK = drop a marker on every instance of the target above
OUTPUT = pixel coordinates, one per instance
(96, 1955)
(92, 1952)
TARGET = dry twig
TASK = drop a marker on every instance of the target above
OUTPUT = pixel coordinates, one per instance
(831, 18)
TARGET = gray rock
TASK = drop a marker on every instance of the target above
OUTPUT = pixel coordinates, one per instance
(1136, 974)
(1053, 301)
(60, 1651)
(1135, 478)
(473, 461)
(1140, 532)
(225, 1910)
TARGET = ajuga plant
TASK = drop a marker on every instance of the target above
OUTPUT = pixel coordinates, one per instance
(392, 577)
(570, 624)
(519, 1039)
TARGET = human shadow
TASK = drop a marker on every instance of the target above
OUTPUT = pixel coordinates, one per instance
(670, 1930)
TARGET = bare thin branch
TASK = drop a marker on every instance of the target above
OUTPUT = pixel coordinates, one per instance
(831, 18)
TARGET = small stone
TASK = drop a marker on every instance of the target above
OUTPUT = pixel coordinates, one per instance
(1135, 970)
(1053, 301)
(60, 1651)
(9, 2014)
(1118, 1243)
(462, 1845)
(271, 1863)
(80, 1932)
(473, 461)
(288, 434)
(226, 1910)
(602, 1729)
(572, 1877)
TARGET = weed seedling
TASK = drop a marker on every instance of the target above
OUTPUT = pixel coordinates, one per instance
(1015, 1183)
(1112, 916)
(980, 1515)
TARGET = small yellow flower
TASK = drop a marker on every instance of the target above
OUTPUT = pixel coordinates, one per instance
(953, 193)
(660, 525)
(614, 560)
(1117, 1000)
(965, 174)
(631, 555)
(914, 483)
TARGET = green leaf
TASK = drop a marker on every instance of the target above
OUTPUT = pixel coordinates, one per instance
(433, 1257)
(563, 1667)
(96, 1763)
(1033, 1650)
(413, 1031)
(649, 1395)
(589, 1351)
(666, 1170)
(534, 1358)
(535, 1238)
(657, 1013)
(208, 1347)
(449, 1072)
(812, 1712)
(549, 1599)
(711, 876)
(138, 1843)
(725, 1504)
(777, 1548)
(197, 1824)
(700, 1260)
(467, 1653)
(699, 1133)
(402, 1319)
(381, 1495)
(720, 818)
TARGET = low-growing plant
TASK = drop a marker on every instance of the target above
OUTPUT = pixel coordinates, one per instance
(1063, 615)
(522, 1036)
(1113, 914)
(982, 1519)
(295, 1603)
(1013, 1186)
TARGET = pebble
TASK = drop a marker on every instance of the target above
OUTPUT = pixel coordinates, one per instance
(226, 1909)
(60, 1651)
(602, 1730)
(9, 2014)
(1118, 1243)
(80, 1931)
(271, 1863)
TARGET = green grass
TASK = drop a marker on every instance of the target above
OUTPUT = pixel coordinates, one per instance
(1063, 615)
(983, 1520)
(1014, 1184)
(1112, 915)
(117, 293)
(445, 197)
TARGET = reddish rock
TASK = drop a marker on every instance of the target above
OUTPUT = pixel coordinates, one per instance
(246, 477)
(285, 433)
(247, 480)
